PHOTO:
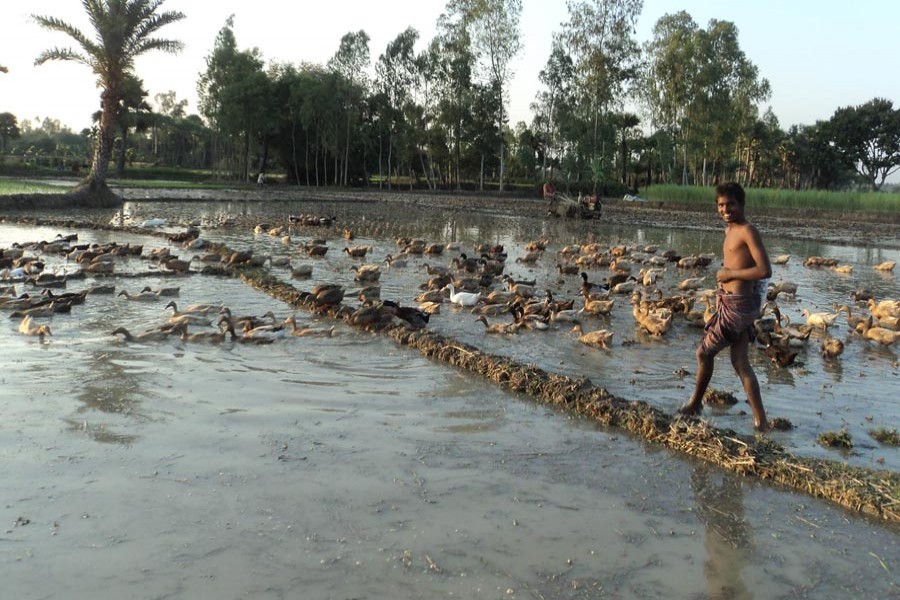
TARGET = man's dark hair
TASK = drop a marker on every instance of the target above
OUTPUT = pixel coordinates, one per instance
(731, 189)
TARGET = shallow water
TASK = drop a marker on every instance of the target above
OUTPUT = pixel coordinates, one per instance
(347, 467)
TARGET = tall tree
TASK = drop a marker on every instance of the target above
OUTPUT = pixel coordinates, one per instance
(351, 61)
(456, 61)
(495, 33)
(397, 73)
(868, 137)
(600, 36)
(123, 30)
(9, 128)
(551, 103)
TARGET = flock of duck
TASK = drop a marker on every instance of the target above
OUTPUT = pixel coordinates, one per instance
(482, 284)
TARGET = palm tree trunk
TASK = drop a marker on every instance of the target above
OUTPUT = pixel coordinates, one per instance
(103, 146)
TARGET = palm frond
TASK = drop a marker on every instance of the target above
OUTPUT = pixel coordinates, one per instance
(143, 46)
(61, 54)
(152, 24)
(54, 24)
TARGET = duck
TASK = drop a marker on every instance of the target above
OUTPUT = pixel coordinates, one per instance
(791, 335)
(598, 307)
(435, 296)
(781, 356)
(201, 309)
(530, 257)
(301, 271)
(538, 322)
(327, 294)
(831, 347)
(819, 320)
(624, 287)
(782, 287)
(318, 250)
(588, 287)
(28, 327)
(483, 308)
(291, 322)
(691, 283)
(143, 296)
(887, 265)
(266, 319)
(148, 223)
(462, 298)
(431, 308)
(883, 336)
(569, 315)
(395, 262)
(209, 337)
(464, 263)
(150, 335)
(853, 322)
(357, 251)
(268, 332)
(166, 291)
(654, 322)
(595, 339)
(843, 269)
(884, 308)
(505, 328)
(366, 273)
(781, 259)
(369, 293)
(101, 267)
(435, 269)
(861, 294)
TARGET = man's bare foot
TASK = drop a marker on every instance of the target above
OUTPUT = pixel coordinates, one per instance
(691, 410)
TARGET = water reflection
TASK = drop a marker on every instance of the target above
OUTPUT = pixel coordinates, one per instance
(720, 507)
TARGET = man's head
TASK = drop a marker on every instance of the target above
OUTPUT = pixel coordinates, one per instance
(730, 202)
(731, 189)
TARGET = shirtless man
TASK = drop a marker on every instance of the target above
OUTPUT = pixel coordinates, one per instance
(738, 303)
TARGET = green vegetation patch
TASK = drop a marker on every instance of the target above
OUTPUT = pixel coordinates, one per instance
(848, 201)
(12, 187)
(888, 437)
(835, 439)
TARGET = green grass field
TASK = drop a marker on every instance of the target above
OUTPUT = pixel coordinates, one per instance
(9, 187)
(784, 199)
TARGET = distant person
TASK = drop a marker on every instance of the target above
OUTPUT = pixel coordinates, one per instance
(261, 179)
(738, 303)
(549, 193)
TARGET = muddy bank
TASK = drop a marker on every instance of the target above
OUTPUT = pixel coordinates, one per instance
(831, 227)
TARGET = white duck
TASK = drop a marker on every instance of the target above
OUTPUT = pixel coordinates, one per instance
(462, 298)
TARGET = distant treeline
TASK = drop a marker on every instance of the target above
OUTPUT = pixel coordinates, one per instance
(437, 118)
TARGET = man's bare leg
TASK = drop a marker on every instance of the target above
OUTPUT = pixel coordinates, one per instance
(705, 365)
(740, 360)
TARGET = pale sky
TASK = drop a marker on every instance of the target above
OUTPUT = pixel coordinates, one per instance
(817, 54)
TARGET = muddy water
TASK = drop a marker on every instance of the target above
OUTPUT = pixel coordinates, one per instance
(346, 467)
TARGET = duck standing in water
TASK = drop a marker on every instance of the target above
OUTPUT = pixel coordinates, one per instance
(462, 298)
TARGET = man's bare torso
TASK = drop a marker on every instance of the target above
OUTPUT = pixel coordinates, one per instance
(736, 253)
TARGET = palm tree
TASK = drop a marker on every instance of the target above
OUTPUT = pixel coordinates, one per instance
(123, 29)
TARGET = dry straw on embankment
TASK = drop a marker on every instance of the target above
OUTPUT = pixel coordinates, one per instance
(875, 493)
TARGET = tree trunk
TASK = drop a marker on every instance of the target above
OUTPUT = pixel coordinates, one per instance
(389, 156)
(96, 179)
(380, 161)
(120, 159)
(481, 176)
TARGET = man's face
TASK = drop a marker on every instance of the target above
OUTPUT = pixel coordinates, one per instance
(729, 209)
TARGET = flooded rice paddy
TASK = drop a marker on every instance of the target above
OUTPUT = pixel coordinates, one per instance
(347, 467)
